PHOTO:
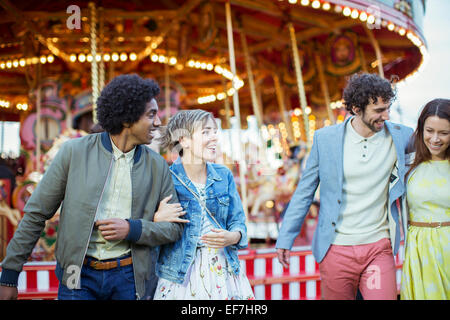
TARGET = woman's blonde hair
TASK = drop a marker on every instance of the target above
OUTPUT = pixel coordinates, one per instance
(182, 124)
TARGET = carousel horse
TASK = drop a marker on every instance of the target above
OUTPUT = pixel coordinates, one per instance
(278, 186)
(260, 188)
(13, 215)
(286, 182)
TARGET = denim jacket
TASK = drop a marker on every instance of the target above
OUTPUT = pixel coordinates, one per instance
(223, 201)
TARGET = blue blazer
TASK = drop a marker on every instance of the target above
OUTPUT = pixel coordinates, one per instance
(325, 166)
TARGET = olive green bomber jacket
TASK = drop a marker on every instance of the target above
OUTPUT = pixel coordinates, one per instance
(76, 178)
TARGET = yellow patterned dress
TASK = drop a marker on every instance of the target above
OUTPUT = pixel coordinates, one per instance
(426, 269)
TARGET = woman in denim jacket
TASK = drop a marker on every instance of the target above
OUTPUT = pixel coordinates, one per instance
(204, 263)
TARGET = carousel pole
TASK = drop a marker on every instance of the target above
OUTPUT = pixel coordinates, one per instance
(111, 68)
(3, 136)
(94, 67)
(260, 98)
(363, 60)
(282, 106)
(167, 88)
(101, 77)
(237, 113)
(226, 102)
(251, 81)
(377, 49)
(38, 118)
(324, 86)
(300, 86)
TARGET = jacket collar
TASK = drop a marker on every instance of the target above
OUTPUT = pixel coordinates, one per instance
(356, 138)
(395, 131)
(338, 146)
(106, 142)
(211, 173)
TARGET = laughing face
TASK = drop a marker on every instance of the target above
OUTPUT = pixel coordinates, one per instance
(436, 136)
(142, 131)
(202, 145)
(372, 119)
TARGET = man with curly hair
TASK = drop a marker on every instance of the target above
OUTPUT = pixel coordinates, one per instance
(110, 186)
(360, 165)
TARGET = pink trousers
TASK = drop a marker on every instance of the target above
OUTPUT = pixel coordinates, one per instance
(370, 267)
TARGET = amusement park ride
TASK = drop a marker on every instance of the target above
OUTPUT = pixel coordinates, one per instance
(283, 63)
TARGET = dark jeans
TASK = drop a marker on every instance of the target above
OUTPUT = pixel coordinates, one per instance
(113, 284)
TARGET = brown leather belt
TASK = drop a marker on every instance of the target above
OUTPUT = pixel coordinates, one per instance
(107, 265)
(430, 224)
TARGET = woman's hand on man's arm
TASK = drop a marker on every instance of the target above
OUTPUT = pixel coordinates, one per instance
(169, 212)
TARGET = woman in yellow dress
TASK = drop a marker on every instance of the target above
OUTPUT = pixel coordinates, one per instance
(426, 269)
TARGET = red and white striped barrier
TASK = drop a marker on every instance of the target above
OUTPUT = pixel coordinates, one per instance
(269, 280)
(38, 281)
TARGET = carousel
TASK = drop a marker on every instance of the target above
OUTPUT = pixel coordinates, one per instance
(271, 71)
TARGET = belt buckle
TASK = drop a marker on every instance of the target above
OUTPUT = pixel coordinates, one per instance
(94, 264)
(439, 225)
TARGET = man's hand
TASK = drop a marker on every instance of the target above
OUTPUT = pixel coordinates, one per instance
(283, 257)
(113, 229)
(169, 212)
(220, 238)
(8, 293)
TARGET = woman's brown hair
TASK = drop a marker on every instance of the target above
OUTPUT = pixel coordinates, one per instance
(436, 107)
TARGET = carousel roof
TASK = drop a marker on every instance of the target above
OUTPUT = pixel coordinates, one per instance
(187, 42)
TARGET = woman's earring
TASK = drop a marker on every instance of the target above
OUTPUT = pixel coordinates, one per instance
(184, 145)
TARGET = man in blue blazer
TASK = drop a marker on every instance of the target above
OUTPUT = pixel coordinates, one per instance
(360, 166)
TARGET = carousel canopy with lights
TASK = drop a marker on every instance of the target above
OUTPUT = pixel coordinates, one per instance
(279, 58)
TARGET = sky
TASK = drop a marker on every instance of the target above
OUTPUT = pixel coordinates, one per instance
(9, 139)
(434, 81)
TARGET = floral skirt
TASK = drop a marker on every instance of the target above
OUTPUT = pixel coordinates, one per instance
(208, 278)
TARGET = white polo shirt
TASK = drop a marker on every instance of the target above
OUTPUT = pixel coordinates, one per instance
(368, 163)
